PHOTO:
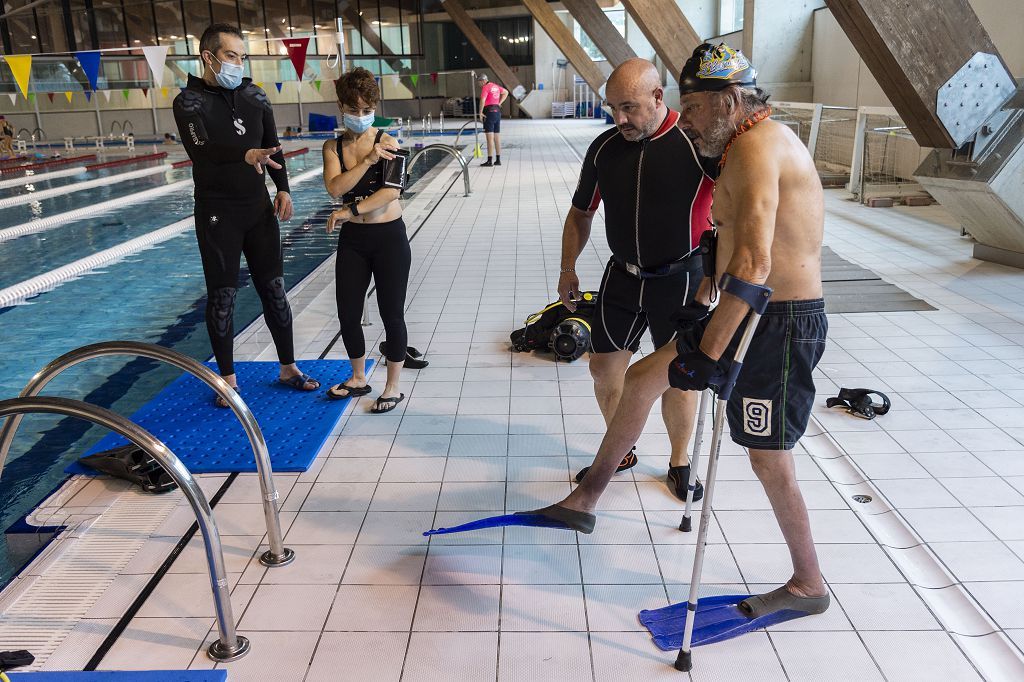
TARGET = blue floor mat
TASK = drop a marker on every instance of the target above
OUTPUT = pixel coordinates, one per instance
(718, 619)
(499, 521)
(210, 439)
(123, 676)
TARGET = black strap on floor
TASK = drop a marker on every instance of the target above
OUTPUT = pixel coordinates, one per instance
(122, 624)
(857, 401)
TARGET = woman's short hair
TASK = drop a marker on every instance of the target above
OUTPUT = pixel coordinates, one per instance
(357, 84)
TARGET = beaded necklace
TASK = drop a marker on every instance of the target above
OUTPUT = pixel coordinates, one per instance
(744, 127)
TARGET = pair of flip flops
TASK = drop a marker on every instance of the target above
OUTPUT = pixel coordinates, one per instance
(380, 406)
(131, 463)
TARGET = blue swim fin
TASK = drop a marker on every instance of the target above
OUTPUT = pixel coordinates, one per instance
(718, 618)
(498, 521)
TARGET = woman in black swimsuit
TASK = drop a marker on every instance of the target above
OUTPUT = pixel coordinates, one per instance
(372, 238)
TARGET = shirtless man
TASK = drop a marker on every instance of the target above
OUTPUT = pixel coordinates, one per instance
(769, 214)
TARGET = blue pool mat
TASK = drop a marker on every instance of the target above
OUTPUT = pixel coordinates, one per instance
(210, 439)
(499, 521)
(123, 676)
(718, 619)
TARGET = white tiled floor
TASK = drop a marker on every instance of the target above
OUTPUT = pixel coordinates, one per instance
(485, 431)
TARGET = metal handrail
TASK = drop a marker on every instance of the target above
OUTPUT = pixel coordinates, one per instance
(278, 554)
(42, 134)
(118, 124)
(230, 645)
(458, 135)
(448, 149)
(124, 127)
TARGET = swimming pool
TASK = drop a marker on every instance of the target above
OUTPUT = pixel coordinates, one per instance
(157, 296)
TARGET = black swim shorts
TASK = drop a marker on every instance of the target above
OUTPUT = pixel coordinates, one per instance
(771, 403)
(628, 305)
(492, 118)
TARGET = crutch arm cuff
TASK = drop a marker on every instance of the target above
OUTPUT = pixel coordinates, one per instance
(754, 295)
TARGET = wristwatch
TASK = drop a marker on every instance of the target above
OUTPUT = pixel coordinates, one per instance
(352, 207)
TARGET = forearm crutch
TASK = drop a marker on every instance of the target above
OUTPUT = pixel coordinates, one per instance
(756, 296)
(698, 442)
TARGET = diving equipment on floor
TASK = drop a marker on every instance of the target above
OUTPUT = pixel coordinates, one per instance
(132, 463)
(857, 402)
(558, 330)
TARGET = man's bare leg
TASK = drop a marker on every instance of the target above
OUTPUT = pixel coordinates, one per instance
(609, 371)
(490, 144)
(678, 409)
(644, 382)
(497, 144)
(777, 472)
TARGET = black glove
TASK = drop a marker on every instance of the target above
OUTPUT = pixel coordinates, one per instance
(690, 314)
(691, 371)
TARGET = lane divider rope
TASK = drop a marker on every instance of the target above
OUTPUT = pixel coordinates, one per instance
(127, 160)
(53, 175)
(79, 186)
(53, 221)
(46, 164)
(47, 281)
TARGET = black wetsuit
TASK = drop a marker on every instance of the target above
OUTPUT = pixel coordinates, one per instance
(234, 213)
(377, 249)
(657, 196)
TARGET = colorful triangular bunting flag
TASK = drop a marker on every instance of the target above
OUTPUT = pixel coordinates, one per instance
(21, 67)
(14, 98)
(297, 48)
(317, 85)
(125, 92)
(50, 95)
(415, 78)
(279, 86)
(106, 94)
(156, 57)
(90, 62)
(145, 92)
(67, 95)
(163, 92)
(88, 95)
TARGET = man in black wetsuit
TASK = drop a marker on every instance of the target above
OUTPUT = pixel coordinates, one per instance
(657, 196)
(227, 127)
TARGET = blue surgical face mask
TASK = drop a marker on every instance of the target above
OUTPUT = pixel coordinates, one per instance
(358, 124)
(230, 76)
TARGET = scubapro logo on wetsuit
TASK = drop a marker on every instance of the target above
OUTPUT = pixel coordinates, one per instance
(195, 137)
(239, 128)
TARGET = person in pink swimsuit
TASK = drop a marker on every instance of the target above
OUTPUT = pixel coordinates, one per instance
(492, 96)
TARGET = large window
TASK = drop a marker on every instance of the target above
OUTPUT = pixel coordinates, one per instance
(730, 16)
(618, 19)
(512, 38)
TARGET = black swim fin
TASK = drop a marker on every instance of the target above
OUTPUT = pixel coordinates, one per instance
(131, 463)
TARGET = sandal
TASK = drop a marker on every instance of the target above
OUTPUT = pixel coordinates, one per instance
(220, 402)
(334, 392)
(382, 405)
(299, 382)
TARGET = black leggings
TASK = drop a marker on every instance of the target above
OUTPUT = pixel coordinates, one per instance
(225, 232)
(381, 250)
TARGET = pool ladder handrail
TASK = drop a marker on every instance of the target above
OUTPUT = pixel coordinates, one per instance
(278, 554)
(448, 149)
(230, 645)
(458, 135)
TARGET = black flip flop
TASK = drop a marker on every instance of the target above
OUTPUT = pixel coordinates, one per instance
(351, 391)
(388, 403)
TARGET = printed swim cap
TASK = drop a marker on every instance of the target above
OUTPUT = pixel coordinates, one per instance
(715, 67)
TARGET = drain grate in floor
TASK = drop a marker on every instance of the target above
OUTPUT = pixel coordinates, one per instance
(849, 288)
